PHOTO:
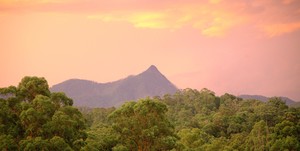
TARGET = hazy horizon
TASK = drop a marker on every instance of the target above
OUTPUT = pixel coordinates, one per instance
(238, 47)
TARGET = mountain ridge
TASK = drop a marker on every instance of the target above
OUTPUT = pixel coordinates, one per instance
(150, 83)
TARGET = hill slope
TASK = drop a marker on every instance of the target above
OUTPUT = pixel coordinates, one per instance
(87, 93)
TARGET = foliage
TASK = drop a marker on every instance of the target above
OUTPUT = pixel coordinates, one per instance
(143, 126)
(33, 118)
(200, 121)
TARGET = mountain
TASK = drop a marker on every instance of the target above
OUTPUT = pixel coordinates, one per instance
(287, 100)
(92, 94)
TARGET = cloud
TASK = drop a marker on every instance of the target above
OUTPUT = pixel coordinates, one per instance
(281, 28)
(149, 20)
(215, 1)
(211, 23)
(287, 1)
(222, 23)
(155, 20)
(212, 18)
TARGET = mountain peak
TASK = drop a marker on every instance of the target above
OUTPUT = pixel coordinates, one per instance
(86, 93)
(152, 68)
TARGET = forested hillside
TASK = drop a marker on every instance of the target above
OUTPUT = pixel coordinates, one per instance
(195, 120)
(32, 118)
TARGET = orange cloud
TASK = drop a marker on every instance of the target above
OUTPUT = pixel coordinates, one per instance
(214, 1)
(222, 22)
(155, 20)
(287, 1)
(282, 28)
(211, 23)
(213, 18)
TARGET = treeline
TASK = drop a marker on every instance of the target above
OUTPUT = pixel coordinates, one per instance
(193, 120)
(33, 118)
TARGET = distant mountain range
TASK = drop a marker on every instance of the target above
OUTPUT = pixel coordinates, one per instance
(288, 101)
(148, 83)
(92, 94)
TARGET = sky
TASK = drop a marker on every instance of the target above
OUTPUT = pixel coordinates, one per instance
(233, 46)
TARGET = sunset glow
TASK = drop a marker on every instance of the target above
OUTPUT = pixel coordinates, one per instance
(232, 46)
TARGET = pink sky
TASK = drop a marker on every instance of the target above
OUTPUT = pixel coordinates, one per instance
(239, 47)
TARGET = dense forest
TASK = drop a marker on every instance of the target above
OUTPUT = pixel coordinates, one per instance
(33, 118)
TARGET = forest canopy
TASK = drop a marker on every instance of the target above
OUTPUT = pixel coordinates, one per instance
(33, 118)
